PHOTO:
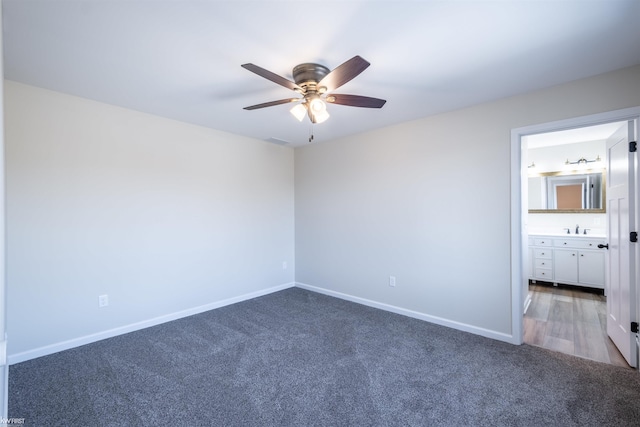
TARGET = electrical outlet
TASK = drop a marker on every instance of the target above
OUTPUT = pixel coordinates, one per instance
(392, 281)
(103, 300)
(284, 265)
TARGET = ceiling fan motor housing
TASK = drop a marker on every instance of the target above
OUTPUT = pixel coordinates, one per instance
(308, 75)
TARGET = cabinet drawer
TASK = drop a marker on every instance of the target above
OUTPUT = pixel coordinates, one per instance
(590, 244)
(544, 274)
(564, 243)
(543, 263)
(542, 241)
(577, 243)
(542, 253)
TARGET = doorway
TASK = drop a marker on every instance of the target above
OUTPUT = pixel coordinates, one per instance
(520, 221)
(566, 172)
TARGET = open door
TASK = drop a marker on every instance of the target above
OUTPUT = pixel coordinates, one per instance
(620, 272)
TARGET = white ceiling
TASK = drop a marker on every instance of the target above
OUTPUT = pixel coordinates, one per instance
(181, 59)
(572, 136)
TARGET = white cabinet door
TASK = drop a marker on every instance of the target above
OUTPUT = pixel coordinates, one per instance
(566, 266)
(591, 268)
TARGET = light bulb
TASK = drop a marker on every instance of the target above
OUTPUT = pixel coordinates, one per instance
(321, 116)
(299, 111)
(317, 110)
(317, 105)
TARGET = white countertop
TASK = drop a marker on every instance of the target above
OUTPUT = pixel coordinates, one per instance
(588, 235)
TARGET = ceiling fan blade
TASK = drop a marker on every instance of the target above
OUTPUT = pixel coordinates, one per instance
(355, 100)
(272, 103)
(272, 76)
(343, 73)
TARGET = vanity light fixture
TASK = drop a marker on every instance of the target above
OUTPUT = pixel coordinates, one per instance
(582, 160)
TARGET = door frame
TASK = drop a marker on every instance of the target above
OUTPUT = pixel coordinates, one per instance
(519, 197)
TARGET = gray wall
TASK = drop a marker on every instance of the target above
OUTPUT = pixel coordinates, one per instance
(428, 202)
(162, 216)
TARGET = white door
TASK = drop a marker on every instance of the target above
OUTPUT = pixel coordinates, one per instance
(620, 215)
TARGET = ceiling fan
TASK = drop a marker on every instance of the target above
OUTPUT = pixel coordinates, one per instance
(316, 84)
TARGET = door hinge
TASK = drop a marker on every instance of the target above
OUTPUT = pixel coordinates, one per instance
(633, 146)
(633, 236)
(634, 327)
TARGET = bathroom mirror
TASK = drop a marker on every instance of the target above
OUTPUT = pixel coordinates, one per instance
(570, 192)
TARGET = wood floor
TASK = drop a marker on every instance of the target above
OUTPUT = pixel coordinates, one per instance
(570, 321)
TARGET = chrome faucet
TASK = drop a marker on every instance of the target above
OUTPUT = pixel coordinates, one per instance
(577, 229)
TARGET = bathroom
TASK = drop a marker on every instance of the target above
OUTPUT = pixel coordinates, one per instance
(567, 226)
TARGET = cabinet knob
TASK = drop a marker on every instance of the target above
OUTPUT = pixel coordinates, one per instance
(581, 254)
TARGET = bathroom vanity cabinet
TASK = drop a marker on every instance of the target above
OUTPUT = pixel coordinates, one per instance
(570, 259)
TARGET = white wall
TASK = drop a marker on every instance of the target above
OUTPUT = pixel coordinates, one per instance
(541, 223)
(4, 366)
(167, 218)
(428, 201)
(162, 216)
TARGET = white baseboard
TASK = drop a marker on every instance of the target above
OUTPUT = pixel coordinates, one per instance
(414, 314)
(77, 342)
(4, 383)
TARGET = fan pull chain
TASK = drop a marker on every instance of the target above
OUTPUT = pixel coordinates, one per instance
(311, 133)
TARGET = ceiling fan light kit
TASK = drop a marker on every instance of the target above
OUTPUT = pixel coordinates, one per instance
(314, 82)
(317, 109)
(299, 111)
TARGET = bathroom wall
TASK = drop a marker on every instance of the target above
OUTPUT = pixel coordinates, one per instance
(543, 223)
(553, 158)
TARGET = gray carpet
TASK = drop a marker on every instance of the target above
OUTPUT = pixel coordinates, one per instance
(298, 358)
